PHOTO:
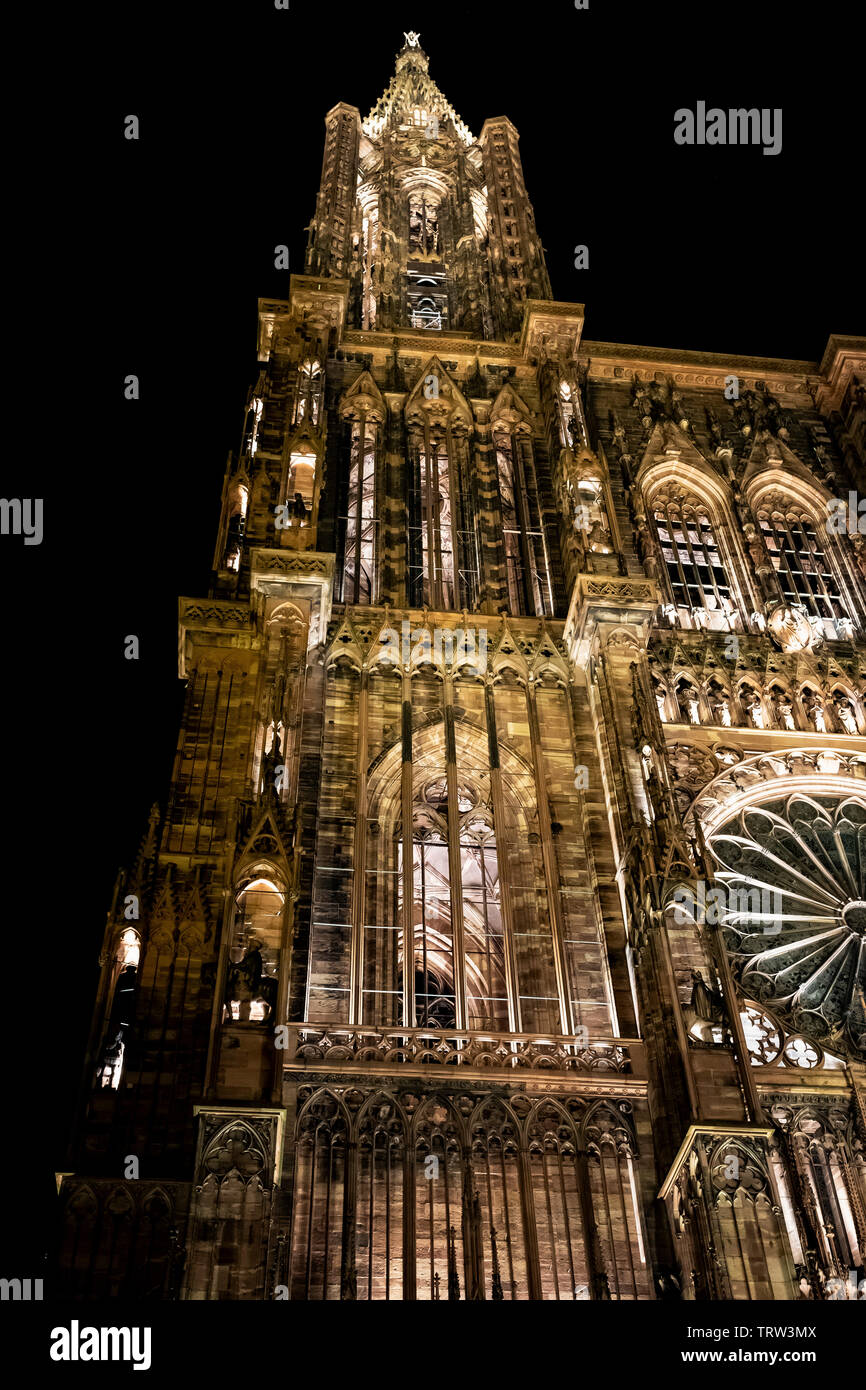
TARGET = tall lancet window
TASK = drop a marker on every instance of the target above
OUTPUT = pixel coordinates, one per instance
(437, 530)
(363, 412)
(359, 571)
(526, 561)
(571, 430)
(800, 561)
(510, 523)
(693, 561)
(309, 398)
(122, 1014)
(443, 559)
(486, 989)
(252, 425)
(444, 890)
(370, 248)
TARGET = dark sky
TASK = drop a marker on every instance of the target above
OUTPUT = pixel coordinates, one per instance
(713, 248)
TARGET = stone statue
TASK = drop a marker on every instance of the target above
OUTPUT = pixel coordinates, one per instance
(659, 692)
(754, 709)
(845, 713)
(722, 710)
(707, 1003)
(859, 544)
(245, 979)
(784, 711)
(687, 699)
(814, 707)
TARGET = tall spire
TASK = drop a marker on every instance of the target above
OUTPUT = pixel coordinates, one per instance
(411, 87)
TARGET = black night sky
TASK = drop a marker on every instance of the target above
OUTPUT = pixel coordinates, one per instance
(721, 249)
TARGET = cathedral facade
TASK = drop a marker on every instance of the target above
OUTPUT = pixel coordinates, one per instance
(544, 658)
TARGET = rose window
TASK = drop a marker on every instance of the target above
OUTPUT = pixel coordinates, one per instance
(793, 875)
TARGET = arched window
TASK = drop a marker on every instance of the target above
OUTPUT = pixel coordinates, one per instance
(800, 562)
(511, 535)
(301, 485)
(571, 428)
(122, 1014)
(358, 582)
(251, 426)
(434, 903)
(693, 561)
(437, 530)
(254, 959)
(309, 397)
(238, 503)
(370, 250)
(526, 562)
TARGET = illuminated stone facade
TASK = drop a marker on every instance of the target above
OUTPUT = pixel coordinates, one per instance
(537, 658)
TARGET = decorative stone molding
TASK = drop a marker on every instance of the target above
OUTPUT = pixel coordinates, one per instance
(630, 604)
(415, 1050)
(551, 327)
(246, 1143)
(815, 771)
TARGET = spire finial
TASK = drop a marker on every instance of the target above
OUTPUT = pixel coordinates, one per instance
(412, 39)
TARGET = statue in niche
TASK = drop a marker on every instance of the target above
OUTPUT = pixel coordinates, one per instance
(706, 1002)
(659, 692)
(845, 713)
(814, 707)
(784, 710)
(858, 543)
(720, 705)
(248, 983)
(687, 699)
(645, 548)
(754, 709)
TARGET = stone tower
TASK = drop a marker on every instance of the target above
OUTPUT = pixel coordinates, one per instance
(503, 934)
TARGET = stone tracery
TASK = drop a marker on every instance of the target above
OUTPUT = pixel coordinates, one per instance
(799, 944)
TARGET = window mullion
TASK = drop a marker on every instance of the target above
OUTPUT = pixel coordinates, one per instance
(674, 533)
(693, 559)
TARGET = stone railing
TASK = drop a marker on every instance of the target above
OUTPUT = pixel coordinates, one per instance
(368, 1048)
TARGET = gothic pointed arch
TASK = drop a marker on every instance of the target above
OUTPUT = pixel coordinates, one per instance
(444, 570)
(509, 411)
(689, 510)
(527, 584)
(813, 567)
(437, 399)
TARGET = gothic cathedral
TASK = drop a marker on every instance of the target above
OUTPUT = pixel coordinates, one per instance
(503, 933)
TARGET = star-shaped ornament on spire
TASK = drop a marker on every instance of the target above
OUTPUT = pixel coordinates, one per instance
(412, 39)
